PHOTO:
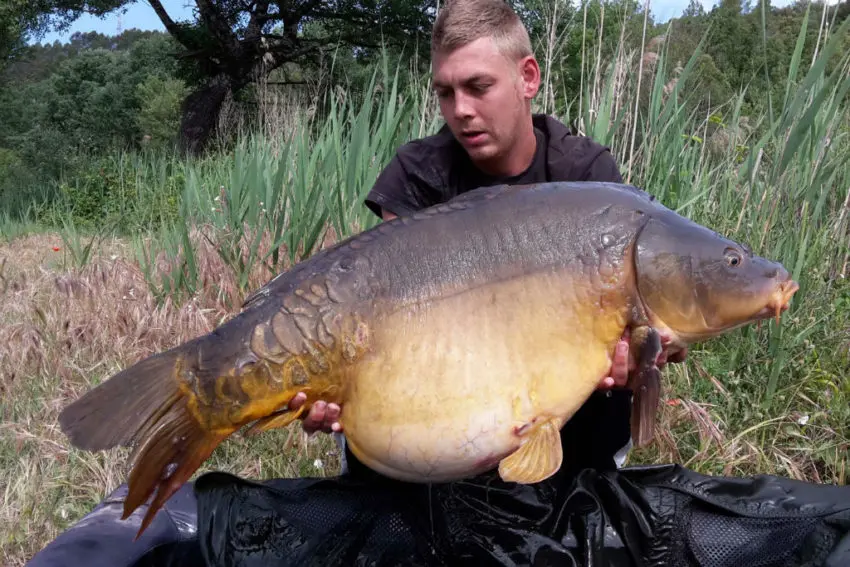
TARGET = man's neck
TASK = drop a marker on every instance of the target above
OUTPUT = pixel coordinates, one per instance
(517, 160)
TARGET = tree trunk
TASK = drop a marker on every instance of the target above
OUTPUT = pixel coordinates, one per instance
(200, 113)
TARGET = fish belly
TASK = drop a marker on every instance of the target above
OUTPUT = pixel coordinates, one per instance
(449, 386)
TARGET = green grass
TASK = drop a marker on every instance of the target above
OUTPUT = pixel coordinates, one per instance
(203, 233)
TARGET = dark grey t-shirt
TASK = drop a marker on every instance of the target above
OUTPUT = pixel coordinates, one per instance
(435, 169)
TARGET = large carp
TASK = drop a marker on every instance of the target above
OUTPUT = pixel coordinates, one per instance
(457, 339)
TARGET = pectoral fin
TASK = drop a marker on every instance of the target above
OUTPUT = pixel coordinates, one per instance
(647, 393)
(645, 383)
(538, 458)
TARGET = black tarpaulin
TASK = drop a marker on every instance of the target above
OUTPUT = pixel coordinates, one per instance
(639, 516)
(651, 516)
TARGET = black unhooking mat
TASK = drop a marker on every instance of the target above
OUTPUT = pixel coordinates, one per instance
(639, 516)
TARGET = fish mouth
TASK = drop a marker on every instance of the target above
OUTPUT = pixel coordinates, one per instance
(776, 305)
(779, 302)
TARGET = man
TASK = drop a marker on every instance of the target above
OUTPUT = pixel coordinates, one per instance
(485, 76)
(589, 512)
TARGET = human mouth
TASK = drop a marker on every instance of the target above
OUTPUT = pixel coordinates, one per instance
(474, 137)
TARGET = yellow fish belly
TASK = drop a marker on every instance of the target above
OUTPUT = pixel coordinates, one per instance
(450, 385)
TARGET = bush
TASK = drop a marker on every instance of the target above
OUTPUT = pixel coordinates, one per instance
(159, 110)
(135, 190)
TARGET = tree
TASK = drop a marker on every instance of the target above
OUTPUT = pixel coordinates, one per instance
(22, 20)
(694, 10)
(232, 43)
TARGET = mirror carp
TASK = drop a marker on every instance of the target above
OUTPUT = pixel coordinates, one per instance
(457, 339)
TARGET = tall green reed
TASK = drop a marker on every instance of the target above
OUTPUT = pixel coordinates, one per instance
(273, 202)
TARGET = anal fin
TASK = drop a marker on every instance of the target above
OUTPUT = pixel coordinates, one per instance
(538, 458)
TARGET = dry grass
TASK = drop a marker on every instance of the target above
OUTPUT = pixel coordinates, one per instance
(710, 438)
(64, 330)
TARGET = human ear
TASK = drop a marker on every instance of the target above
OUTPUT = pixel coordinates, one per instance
(529, 72)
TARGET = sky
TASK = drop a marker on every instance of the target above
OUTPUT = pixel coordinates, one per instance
(141, 16)
(137, 15)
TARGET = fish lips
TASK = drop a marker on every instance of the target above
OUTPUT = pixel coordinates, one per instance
(780, 302)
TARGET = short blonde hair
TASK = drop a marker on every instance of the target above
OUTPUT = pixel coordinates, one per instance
(461, 22)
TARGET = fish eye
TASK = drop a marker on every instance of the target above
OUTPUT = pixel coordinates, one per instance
(733, 257)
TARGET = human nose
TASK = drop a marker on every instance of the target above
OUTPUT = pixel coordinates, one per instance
(463, 108)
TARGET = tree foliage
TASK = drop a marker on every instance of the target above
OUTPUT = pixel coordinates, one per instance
(61, 101)
(232, 43)
(22, 21)
(60, 104)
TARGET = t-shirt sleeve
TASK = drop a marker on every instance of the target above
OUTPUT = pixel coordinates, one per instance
(401, 188)
(598, 164)
(582, 159)
(603, 168)
(389, 192)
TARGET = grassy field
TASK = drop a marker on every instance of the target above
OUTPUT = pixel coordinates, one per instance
(79, 304)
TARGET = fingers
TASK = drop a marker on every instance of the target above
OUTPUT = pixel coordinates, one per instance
(620, 364)
(679, 356)
(619, 373)
(321, 417)
(676, 357)
(332, 417)
(315, 418)
(297, 401)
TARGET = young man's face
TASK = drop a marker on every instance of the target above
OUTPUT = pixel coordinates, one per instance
(485, 98)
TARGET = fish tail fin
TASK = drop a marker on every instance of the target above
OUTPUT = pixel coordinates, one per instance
(167, 460)
(143, 406)
(126, 407)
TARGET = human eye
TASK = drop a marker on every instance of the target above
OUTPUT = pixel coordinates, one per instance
(480, 87)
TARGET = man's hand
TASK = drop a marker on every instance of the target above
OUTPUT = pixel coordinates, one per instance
(322, 416)
(675, 358)
(621, 365)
